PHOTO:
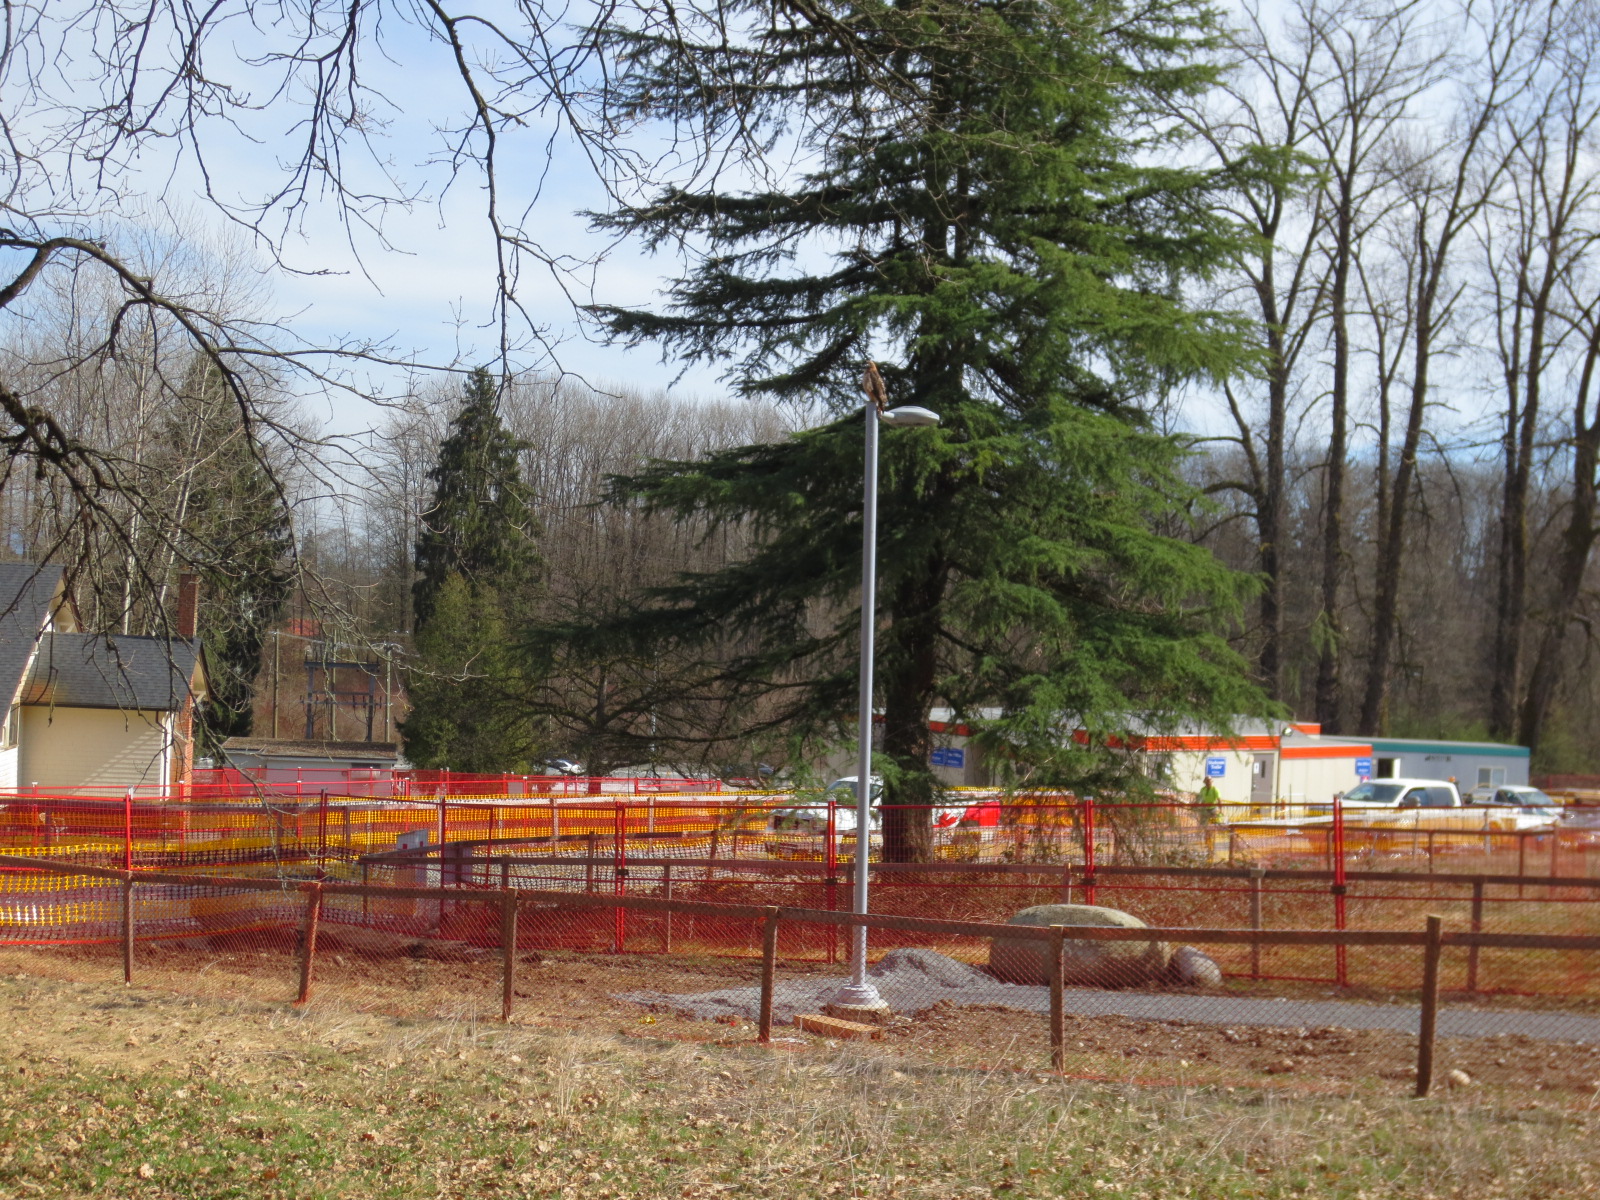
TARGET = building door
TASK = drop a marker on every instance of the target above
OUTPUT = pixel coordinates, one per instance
(1261, 781)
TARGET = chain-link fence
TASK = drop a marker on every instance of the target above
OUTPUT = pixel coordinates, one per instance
(438, 939)
(1286, 950)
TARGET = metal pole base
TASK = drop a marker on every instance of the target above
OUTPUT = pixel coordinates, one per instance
(858, 1002)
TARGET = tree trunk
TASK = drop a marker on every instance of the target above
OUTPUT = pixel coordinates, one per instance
(1270, 499)
(1389, 566)
(1511, 584)
(1330, 631)
(910, 671)
(1577, 543)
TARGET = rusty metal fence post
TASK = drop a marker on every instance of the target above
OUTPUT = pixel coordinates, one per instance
(1477, 927)
(666, 917)
(508, 952)
(1058, 1015)
(1256, 876)
(127, 927)
(308, 940)
(1430, 1006)
(769, 973)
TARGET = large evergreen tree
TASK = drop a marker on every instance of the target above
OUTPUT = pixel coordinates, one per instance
(480, 524)
(477, 568)
(990, 210)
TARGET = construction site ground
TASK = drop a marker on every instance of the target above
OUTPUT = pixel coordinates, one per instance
(147, 1092)
(1219, 1039)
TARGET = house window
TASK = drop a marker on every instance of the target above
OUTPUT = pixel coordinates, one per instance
(1388, 768)
(13, 728)
(1491, 776)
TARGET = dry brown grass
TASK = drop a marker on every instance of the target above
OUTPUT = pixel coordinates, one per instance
(149, 1094)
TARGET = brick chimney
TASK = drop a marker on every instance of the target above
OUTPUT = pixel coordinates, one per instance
(188, 603)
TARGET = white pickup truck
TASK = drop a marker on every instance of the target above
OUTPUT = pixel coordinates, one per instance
(1402, 794)
(1421, 801)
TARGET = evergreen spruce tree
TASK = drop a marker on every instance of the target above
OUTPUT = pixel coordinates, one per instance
(480, 524)
(992, 215)
(477, 568)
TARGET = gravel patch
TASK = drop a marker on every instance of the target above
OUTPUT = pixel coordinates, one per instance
(911, 981)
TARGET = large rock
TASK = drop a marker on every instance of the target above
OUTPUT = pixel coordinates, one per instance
(1191, 968)
(1092, 964)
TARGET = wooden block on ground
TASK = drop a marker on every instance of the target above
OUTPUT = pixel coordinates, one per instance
(835, 1027)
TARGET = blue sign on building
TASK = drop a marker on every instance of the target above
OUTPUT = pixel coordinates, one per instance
(1216, 766)
(1364, 768)
(948, 756)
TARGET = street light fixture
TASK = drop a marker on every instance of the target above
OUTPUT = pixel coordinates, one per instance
(860, 996)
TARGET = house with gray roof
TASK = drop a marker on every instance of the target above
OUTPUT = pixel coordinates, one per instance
(90, 713)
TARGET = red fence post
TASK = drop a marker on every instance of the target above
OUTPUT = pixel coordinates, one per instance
(1340, 965)
(322, 829)
(127, 830)
(831, 878)
(1088, 849)
(619, 875)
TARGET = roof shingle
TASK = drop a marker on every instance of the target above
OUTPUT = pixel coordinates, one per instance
(83, 670)
(26, 593)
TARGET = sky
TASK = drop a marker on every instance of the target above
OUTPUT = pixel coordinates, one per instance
(431, 297)
(423, 285)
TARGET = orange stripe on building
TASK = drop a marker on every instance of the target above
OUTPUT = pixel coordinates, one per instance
(1351, 752)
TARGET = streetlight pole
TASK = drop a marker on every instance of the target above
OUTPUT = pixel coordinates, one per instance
(860, 996)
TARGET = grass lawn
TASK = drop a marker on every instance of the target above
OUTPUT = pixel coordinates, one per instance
(135, 1093)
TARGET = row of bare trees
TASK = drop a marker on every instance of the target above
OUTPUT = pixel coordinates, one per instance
(179, 479)
(1420, 182)
(596, 556)
(1409, 470)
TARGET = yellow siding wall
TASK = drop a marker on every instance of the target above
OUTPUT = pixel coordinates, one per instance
(92, 747)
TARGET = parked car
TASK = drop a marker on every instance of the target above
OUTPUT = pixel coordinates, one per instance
(1529, 802)
(802, 828)
(562, 766)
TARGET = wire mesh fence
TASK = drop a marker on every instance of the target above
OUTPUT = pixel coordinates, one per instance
(1286, 950)
(1153, 1002)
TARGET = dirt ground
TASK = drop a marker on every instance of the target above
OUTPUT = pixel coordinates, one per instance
(574, 991)
(150, 1093)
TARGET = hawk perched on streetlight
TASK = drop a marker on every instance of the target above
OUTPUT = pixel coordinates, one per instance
(872, 383)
